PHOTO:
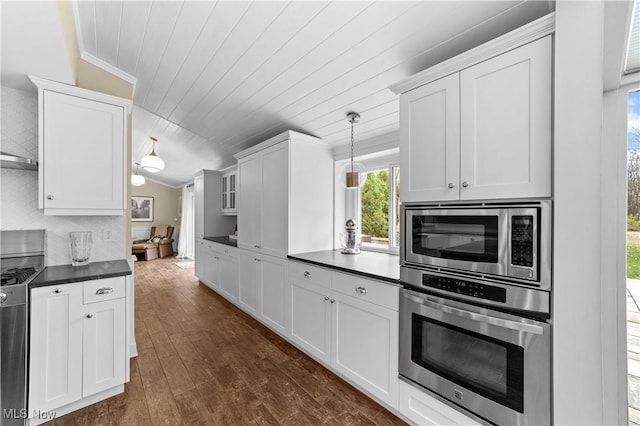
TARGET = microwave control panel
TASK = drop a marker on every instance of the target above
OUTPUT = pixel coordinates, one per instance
(522, 237)
(467, 288)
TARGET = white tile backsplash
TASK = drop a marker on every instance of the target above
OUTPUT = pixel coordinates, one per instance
(19, 190)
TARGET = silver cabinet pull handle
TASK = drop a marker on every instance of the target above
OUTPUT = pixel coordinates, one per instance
(451, 185)
(49, 197)
(104, 290)
(57, 290)
(361, 290)
(3, 297)
(256, 246)
(89, 315)
(307, 274)
(465, 184)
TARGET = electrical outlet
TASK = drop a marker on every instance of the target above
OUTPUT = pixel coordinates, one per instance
(107, 235)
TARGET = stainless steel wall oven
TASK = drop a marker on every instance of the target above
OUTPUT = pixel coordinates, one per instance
(475, 307)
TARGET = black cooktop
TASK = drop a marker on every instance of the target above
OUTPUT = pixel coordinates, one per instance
(16, 275)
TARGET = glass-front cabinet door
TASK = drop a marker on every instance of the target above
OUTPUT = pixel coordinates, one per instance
(228, 192)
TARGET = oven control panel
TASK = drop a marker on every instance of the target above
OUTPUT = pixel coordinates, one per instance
(467, 288)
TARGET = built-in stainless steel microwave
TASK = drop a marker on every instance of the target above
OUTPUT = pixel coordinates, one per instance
(503, 240)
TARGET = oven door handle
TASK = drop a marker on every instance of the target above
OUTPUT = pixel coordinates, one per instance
(498, 322)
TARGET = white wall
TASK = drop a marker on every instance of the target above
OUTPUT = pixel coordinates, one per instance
(19, 189)
(578, 391)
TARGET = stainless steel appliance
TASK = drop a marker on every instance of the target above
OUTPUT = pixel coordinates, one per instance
(503, 240)
(475, 307)
(21, 260)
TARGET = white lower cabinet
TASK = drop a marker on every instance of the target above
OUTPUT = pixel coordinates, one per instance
(227, 274)
(311, 318)
(77, 342)
(349, 323)
(249, 281)
(274, 302)
(423, 409)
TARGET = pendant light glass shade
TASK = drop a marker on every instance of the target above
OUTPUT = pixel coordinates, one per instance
(152, 163)
(137, 179)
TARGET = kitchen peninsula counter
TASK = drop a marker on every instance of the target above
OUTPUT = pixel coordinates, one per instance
(370, 264)
(64, 274)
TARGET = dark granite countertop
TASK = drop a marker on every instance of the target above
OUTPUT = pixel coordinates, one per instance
(223, 240)
(64, 274)
(380, 266)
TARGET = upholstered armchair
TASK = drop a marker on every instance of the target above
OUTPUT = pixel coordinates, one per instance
(159, 244)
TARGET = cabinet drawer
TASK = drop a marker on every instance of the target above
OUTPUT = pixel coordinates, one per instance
(310, 273)
(372, 291)
(104, 289)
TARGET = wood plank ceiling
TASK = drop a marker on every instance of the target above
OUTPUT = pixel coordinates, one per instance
(214, 78)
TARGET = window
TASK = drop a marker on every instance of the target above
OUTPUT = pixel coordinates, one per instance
(380, 204)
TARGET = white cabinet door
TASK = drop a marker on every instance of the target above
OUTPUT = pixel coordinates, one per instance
(365, 346)
(55, 364)
(103, 342)
(275, 196)
(82, 162)
(505, 141)
(228, 276)
(311, 318)
(429, 141)
(249, 202)
(199, 261)
(211, 267)
(248, 281)
(274, 294)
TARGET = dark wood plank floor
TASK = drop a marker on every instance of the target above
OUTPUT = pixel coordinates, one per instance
(203, 361)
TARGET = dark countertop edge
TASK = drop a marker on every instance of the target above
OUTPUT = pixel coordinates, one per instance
(66, 274)
(223, 240)
(343, 269)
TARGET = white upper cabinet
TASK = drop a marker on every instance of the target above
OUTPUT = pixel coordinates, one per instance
(285, 196)
(430, 141)
(505, 132)
(483, 132)
(82, 156)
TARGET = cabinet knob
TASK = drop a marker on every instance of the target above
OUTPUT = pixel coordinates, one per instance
(49, 197)
(361, 290)
(257, 260)
(326, 299)
(216, 257)
(104, 290)
(465, 184)
(89, 315)
(307, 274)
(57, 290)
(333, 301)
(256, 246)
(451, 185)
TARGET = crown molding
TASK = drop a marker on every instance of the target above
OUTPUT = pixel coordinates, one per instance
(518, 37)
(54, 86)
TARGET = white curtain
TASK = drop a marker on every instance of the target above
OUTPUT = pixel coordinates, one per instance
(186, 240)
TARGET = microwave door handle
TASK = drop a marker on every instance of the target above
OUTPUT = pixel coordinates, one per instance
(499, 322)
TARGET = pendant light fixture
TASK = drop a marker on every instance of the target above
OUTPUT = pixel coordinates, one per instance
(353, 175)
(136, 178)
(152, 163)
